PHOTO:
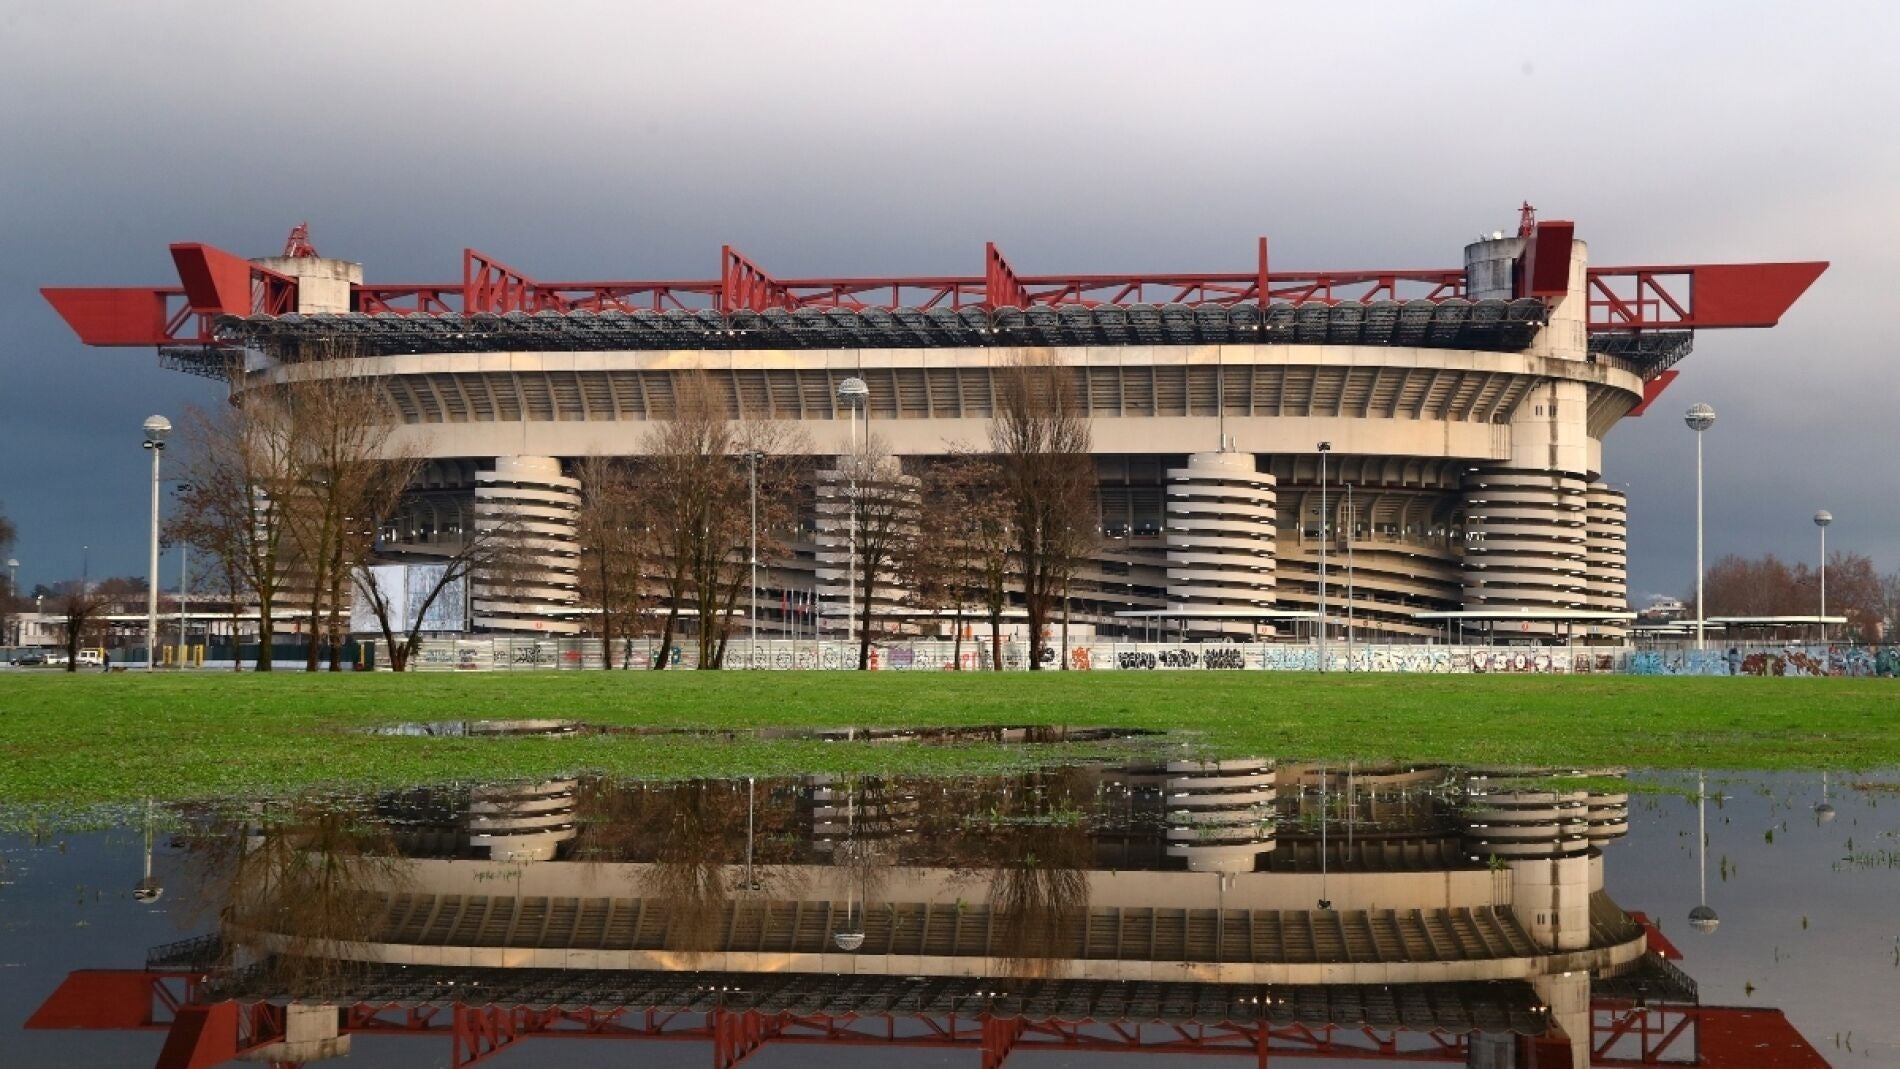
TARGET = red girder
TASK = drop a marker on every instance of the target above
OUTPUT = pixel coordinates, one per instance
(745, 287)
(488, 285)
(202, 1035)
(1626, 1036)
(1683, 297)
(1653, 389)
(1001, 287)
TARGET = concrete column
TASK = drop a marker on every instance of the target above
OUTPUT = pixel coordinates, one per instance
(532, 588)
(311, 1034)
(1220, 538)
(1568, 996)
(323, 285)
(1491, 1051)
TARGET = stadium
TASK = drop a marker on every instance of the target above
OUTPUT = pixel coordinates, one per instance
(1436, 436)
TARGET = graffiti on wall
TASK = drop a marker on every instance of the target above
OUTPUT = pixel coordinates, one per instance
(1767, 661)
(546, 654)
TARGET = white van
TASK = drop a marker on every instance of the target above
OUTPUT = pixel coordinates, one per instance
(90, 658)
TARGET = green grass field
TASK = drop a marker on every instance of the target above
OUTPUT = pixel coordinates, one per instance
(102, 739)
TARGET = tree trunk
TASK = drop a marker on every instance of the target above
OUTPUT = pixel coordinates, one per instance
(666, 638)
(1065, 625)
(956, 636)
(265, 634)
(864, 622)
(996, 639)
(606, 618)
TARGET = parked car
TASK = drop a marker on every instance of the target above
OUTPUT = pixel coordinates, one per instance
(29, 660)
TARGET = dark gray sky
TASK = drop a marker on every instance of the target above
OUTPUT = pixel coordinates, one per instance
(608, 141)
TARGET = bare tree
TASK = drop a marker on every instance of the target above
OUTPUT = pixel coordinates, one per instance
(402, 622)
(616, 548)
(239, 466)
(1889, 604)
(80, 611)
(347, 480)
(883, 501)
(686, 470)
(962, 558)
(696, 501)
(1041, 437)
(1769, 586)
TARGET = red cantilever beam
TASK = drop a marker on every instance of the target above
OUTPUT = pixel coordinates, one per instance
(1697, 296)
(114, 316)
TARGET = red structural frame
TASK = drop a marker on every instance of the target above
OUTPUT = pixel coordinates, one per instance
(1684, 297)
(1624, 1034)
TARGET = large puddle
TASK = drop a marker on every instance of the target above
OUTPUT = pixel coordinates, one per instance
(1329, 912)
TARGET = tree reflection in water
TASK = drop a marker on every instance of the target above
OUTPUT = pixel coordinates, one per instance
(693, 835)
(290, 883)
(1033, 843)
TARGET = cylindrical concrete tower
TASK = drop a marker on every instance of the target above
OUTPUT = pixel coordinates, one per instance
(1220, 537)
(889, 503)
(1606, 554)
(522, 822)
(530, 587)
(1220, 813)
(1524, 541)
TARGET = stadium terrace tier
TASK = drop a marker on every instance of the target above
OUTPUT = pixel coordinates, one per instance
(1465, 408)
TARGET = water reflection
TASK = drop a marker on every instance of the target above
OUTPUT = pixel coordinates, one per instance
(1247, 904)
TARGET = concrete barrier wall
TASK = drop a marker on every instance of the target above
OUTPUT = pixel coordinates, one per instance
(524, 654)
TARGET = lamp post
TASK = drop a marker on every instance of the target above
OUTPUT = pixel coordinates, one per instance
(1702, 918)
(752, 459)
(13, 593)
(1821, 520)
(184, 580)
(1700, 418)
(1352, 521)
(156, 430)
(1324, 448)
(853, 392)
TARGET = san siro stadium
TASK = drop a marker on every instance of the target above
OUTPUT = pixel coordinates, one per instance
(1458, 414)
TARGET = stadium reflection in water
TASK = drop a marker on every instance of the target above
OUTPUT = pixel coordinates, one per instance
(1259, 909)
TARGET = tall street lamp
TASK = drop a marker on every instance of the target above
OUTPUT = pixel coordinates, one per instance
(1324, 448)
(853, 392)
(157, 428)
(1821, 520)
(1699, 418)
(13, 592)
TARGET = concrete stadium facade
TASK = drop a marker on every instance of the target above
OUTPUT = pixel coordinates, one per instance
(1468, 423)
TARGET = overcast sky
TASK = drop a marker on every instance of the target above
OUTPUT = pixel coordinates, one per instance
(605, 141)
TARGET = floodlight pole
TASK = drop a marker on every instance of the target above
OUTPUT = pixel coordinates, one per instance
(156, 428)
(184, 576)
(1699, 418)
(1821, 520)
(1352, 521)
